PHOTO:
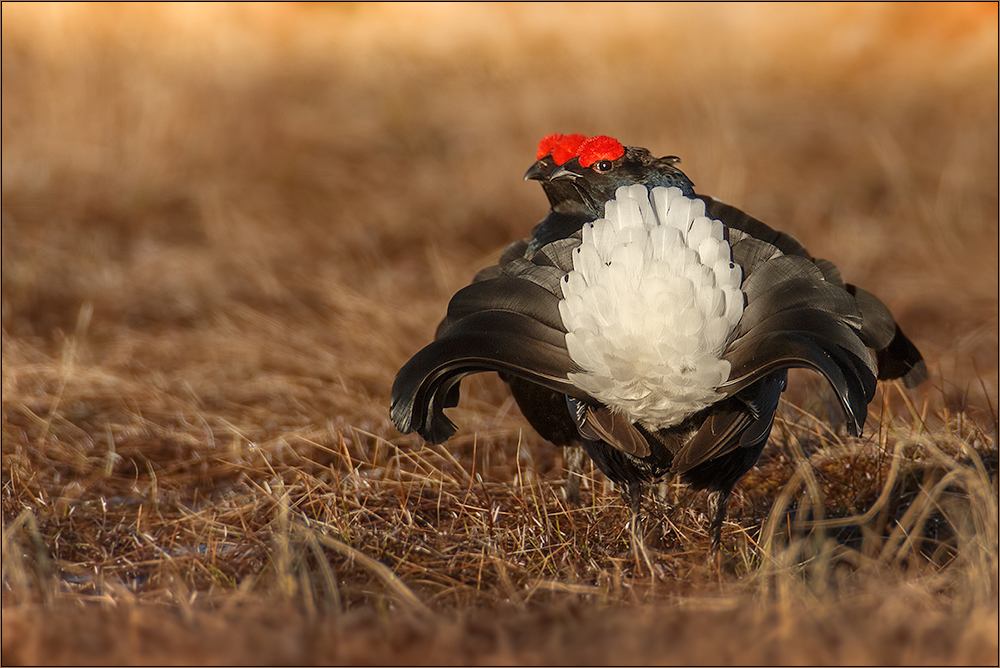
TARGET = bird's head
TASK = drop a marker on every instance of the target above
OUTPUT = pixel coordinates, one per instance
(602, 165)
(553, 151)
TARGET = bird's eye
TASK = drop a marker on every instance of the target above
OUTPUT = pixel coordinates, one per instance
(603, 165)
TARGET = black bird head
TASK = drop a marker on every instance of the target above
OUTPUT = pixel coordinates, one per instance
(569, 210)
(553, 151)
(602, 165)
(579, 175)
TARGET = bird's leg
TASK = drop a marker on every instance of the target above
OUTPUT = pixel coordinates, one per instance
(573, 456)
(659, 509)
(662, 488)
(717, 500)
(632, 496)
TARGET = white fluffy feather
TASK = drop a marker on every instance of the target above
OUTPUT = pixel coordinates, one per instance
(650, 304)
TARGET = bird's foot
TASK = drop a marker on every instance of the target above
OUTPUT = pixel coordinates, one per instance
(717, 500)
(574, 458)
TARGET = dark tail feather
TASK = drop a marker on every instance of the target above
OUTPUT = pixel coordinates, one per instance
(877, 324)
(896, 355)
(901, 359)
(741, 421)
(504, 293)
(811, 339)
(795, 317)
(599, 423)
(503, 341)
(744, 222)
(545, 410)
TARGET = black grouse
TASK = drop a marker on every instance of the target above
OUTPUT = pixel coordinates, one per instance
(653, 325)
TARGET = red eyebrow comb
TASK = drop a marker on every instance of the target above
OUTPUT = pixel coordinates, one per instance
(562, 147)
(600, 147)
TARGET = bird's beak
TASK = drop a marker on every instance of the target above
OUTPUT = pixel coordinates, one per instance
(564, 173)
(538, 171)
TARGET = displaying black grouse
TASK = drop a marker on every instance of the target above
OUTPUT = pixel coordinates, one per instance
(654, 325)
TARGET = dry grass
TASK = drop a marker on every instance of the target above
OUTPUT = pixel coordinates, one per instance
(224, 230)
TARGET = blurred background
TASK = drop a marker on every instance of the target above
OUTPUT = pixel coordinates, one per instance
(161, 162)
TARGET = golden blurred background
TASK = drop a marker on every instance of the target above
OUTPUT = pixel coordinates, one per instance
(201, 153)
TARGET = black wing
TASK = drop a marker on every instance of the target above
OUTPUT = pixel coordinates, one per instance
(896, 355)
(508, 321)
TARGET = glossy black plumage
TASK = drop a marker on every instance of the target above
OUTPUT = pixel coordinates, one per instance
(798, 313)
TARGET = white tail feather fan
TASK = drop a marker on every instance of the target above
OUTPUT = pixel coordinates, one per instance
(650, 305)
